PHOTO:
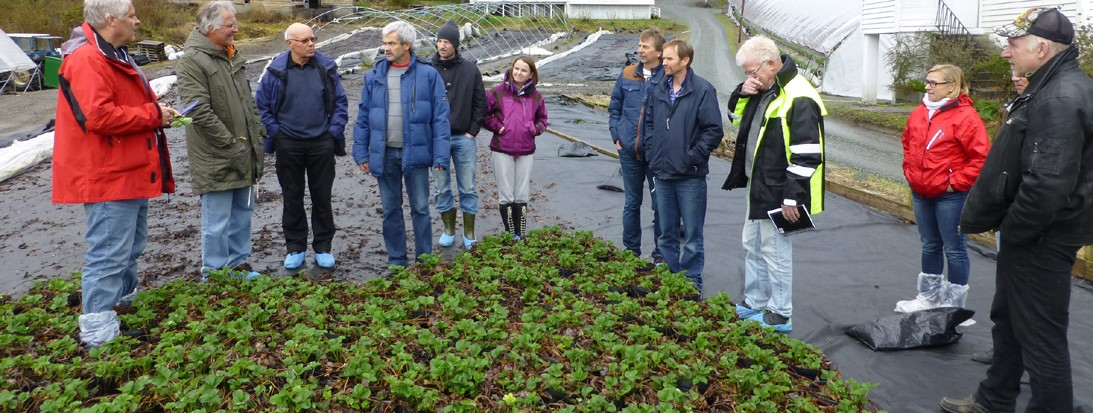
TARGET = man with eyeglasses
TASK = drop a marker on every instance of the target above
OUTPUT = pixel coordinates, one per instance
(1036, 188)
(779, 160)
(305, 110)
(224, 142)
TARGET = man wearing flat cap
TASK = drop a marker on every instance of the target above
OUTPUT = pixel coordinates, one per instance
(1036, 187)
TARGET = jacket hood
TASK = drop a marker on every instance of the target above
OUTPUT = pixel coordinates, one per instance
(199, 42)
(1062, 60)
(527, 88)
(455, 61)
(788, 72)
(383, 65)
(280, 63)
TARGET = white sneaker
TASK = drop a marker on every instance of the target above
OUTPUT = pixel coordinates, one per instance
(918, 304)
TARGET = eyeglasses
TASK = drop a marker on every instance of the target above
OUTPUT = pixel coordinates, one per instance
(753, 72)
(932, 83)
(306, 40)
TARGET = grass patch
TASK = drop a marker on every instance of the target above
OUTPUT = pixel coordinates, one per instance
(894, 121)
(162, 20)
(555, 322)
(732, 30)
(620, 25)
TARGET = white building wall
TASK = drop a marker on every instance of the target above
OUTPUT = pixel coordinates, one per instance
(994, 13)
(595, 11)
(879, 16)
(917, 15)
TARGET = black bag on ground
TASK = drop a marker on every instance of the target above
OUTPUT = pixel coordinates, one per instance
(927, 328)
(576, 150)
(614, 183)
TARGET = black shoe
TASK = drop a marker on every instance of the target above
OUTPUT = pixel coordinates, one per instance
(965, 405)
(986, 357)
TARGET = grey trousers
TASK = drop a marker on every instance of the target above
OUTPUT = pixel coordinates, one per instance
(513, 175)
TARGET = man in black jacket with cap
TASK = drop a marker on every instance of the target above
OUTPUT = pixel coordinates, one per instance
(467, 99)
(1036, 187)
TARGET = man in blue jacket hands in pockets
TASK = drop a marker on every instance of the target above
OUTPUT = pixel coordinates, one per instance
(682, 126)
(626, 108)
(402, 130)
(304, 109)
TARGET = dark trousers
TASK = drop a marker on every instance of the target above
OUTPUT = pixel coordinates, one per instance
(1031, 311)
(315, 158)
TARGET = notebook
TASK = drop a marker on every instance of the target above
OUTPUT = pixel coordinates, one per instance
(804, 223)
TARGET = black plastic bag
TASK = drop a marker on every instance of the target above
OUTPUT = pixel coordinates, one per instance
(927, 328)
(576, 150)
(614, 183)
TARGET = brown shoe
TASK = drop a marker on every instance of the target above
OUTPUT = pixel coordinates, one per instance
(965, 405)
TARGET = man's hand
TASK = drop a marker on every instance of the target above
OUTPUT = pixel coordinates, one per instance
(751, 86)
(618, 145)
(440, 168)
(167, 114)
(790, 212)
(468, 135)
(364, 167)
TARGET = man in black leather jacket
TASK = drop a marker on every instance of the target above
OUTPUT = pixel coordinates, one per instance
(1036, 187)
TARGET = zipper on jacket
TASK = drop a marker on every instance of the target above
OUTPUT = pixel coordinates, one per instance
(413, 96)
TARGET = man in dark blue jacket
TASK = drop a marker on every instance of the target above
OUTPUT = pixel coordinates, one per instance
(304, 109)
(626, 108)
(402, 129)
(682, 126)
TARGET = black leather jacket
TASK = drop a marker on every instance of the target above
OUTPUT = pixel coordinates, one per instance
(1037, 181)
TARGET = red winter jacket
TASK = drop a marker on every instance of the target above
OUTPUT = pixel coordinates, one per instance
(946, 150)
(107, 142)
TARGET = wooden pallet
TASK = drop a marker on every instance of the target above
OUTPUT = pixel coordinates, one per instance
(153, 50)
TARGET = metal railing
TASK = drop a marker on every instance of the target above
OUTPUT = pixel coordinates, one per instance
(947, 22)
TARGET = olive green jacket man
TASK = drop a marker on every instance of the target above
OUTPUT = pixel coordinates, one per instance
(224, 141)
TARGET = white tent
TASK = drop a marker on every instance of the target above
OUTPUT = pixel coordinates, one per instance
(12, 60)
(829, 27)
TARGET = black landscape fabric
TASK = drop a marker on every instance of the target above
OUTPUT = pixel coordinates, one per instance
(853, 269)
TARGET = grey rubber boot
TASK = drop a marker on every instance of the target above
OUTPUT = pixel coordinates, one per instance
(929, 294)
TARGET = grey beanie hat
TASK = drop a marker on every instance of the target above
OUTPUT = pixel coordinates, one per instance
(449, 32)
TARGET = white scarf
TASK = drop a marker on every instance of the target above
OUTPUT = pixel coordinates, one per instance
(933, 106)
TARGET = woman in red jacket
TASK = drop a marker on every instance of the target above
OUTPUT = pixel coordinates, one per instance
(516, 114)
(944, 146)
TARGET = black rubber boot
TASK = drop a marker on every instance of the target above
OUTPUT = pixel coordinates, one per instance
(520, 219)
(506, 216)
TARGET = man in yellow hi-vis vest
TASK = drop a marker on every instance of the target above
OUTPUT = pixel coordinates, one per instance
(780, 160)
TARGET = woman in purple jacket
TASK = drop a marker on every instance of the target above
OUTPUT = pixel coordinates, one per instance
(516, 114)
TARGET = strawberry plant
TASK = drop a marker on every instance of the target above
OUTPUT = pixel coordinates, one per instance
(555, 322)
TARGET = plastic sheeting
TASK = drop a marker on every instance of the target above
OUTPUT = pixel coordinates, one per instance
(928, 328)
(831, 27)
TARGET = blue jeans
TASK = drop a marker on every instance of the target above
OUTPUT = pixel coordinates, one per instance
(394, 226)
(117, 232)
(225, 227)
(635, 173)
(464, 156)
(768, 268)
(937, 220)
(682, 199)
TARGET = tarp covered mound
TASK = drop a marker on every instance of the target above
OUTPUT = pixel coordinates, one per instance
(12, 58)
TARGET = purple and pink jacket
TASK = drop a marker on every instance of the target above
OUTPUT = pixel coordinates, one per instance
(521, 112)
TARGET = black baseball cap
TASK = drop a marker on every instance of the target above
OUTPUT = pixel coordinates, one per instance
(1046, 22)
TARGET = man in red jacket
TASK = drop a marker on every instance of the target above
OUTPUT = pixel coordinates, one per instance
(110, 154)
